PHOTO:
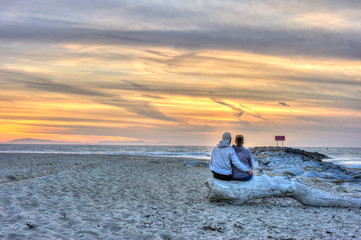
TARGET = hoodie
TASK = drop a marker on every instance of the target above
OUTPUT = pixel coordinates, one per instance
(245, 156)
(221, 159)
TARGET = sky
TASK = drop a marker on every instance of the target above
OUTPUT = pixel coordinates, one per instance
(181, 72)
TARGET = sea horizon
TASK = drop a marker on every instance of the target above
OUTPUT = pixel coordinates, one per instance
(345, 156)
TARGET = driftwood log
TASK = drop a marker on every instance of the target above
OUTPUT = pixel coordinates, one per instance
(264, 186)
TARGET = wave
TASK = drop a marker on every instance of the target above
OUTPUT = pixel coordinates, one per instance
(349, 157)
(198, 155)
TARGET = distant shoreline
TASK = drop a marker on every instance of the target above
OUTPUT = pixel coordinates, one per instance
(341, 156)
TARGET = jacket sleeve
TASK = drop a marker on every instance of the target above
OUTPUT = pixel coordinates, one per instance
(236, 162)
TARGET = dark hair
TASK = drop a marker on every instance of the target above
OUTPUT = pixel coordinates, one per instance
(239, 140)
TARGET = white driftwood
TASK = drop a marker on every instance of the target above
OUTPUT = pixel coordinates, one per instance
(264, 186)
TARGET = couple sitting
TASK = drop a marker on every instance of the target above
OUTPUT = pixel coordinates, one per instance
(231, 163)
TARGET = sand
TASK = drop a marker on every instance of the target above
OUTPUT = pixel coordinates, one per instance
(53, 196)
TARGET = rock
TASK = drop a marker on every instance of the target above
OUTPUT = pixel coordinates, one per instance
(196, 164)
(334, 171)
(310, 174)
(290, 171)
(340, 176)
(307, 156)
(264, 187)
(311, 164)
(354, 174)
(339, 182)
(328, 175)
(295, 162)
(30, 225)
(264, 161)
(11, 178)
(316, 169)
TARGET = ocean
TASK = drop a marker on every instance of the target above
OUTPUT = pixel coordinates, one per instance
(348, 157)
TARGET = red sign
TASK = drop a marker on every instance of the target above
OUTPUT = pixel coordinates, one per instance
(280, 138)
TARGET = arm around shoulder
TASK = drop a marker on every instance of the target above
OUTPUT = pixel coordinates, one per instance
(236, 162)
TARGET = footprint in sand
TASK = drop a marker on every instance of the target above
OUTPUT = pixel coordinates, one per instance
(85, 234)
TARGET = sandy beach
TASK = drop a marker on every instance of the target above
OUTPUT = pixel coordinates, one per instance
(59, 196)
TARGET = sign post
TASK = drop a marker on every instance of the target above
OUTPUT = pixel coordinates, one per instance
(280, 138)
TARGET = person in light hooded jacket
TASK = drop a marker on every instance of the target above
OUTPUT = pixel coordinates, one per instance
(222, 159)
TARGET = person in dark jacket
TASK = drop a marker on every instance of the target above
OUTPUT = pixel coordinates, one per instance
(245, 157)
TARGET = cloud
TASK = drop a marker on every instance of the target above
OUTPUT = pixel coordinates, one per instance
(264, 27)
(6, 100)
(319, 78)
(311, 93)
(152, 96)
(127, 55)
(338, 124)
(252, 112)
(283, 104)
(239, 111)
(275, 41)
(138, 86)
(44, 83)
(33, 82)
(73, 119)
(142, 108)
(161, 133)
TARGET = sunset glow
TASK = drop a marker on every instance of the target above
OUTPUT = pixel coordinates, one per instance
(183, 74)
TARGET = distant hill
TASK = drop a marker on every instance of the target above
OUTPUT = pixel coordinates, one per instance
(120, 142)
(45, 141)
(35, 141)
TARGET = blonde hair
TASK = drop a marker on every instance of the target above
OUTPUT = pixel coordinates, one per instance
(239, 139)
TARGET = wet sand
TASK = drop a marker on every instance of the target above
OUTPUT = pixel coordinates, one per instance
(54, 196)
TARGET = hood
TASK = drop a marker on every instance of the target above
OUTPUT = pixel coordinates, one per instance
(237, 149)
(223, 143)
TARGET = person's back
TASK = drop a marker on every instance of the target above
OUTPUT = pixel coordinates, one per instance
(245, 157)
(222, 152)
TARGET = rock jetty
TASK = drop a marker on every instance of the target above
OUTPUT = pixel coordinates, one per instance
(290, 172)
(279, 161)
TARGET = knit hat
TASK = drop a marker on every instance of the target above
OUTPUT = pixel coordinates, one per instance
(226, 136)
